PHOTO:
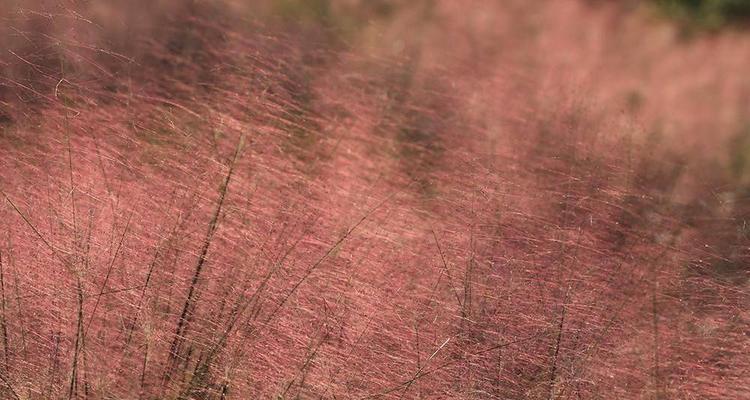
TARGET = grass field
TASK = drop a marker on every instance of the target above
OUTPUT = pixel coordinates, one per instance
(349, 199)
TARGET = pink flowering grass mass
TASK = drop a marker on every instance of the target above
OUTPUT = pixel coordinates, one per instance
(344, 199)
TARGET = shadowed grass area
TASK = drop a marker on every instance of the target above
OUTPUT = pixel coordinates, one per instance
(707, 14)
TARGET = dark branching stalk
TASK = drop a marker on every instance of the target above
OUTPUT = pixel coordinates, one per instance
(79, 342)
(107, 275)
(204, 363)
(312, 351)
(79, 292)
(418, 374)
(3, 322)
(54, 364)
(147, 280)
(187, 309)
(144, 364)
(447, 270)
(558, 341)
(19, 304)
(420, 365)
(308, 272)
(596, 344)
(41, 237)
(314, 347)
(349, 355)
(655, 328)
(419, 356)
(327, 254)
(9, 386)
(425, 372)
(466, 304)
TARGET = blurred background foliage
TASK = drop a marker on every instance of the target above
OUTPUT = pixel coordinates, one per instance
(710, 14)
